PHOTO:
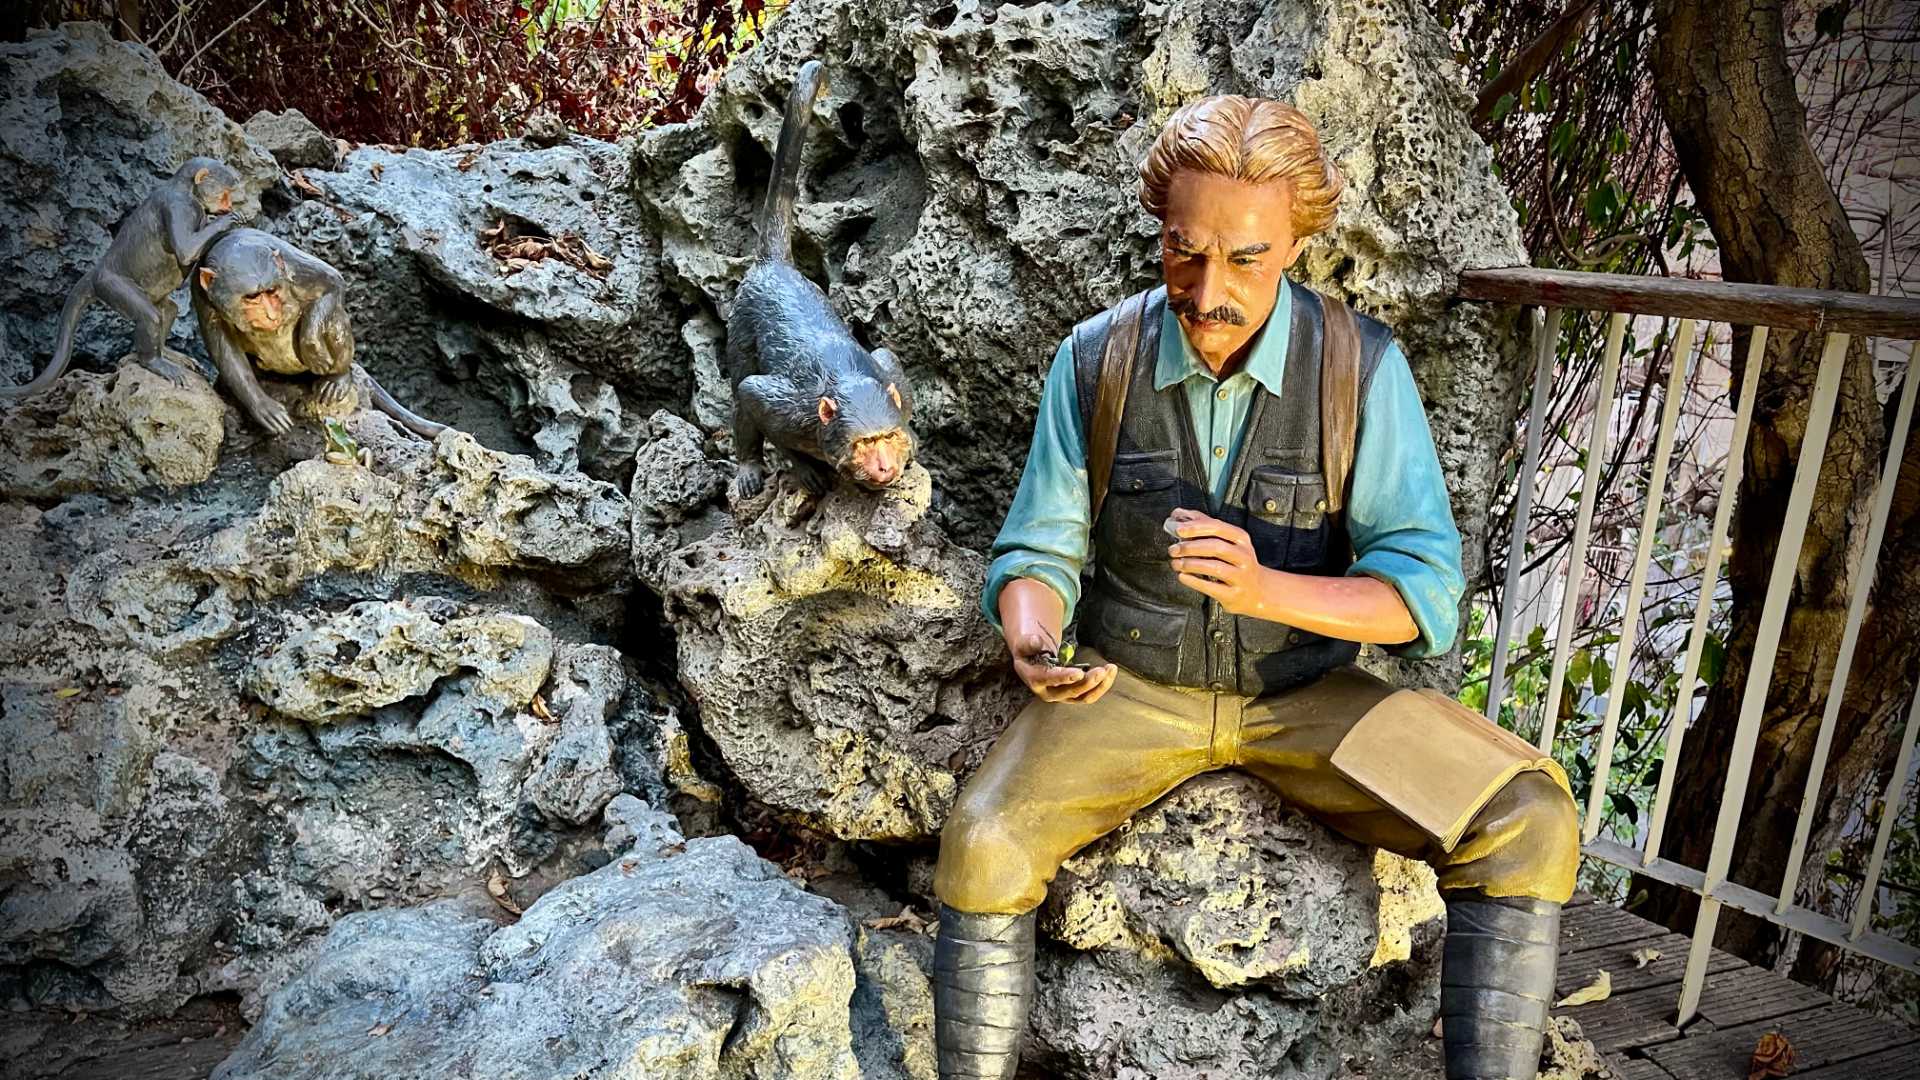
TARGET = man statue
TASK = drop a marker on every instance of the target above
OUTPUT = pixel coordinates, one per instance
(1282, 438)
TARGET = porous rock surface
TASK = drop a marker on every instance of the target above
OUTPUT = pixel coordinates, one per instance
(837, 653)
(693, 959)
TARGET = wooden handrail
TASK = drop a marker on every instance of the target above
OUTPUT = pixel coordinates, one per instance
(1859, 314)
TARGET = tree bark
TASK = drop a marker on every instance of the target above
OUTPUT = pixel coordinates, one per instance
(1737, 125)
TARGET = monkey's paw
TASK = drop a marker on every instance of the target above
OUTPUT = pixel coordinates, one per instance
(750, 480)
(271, 415)
(814, 478)
(166, 369)
(338, 390)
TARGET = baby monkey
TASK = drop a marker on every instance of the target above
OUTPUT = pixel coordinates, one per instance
(147, 260)
(800, 378)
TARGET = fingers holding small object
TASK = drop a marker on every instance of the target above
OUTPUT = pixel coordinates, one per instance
(1210, 548)
(1093, 684)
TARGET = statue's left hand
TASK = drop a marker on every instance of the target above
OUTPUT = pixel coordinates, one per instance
(1216, 558)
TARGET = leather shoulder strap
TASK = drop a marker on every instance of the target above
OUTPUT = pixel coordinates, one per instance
(1339, 396)
(1110, 397)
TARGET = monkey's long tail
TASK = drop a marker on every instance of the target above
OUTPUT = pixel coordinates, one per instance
(77, 300)
(408, 419)
(776, 214)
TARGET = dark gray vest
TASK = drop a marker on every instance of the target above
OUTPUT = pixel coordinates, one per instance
(1134, 610)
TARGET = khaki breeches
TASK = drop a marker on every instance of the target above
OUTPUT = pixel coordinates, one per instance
(1064, 775)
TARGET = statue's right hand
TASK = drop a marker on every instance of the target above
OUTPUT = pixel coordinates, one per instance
(1058, 682)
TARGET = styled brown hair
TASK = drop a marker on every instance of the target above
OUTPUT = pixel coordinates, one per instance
(1253, 140)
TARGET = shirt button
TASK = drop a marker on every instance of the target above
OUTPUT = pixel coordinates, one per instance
(1271, 506)
(1221, 394)
(1219, 451)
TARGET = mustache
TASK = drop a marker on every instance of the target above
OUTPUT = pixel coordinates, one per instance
(1225, 313)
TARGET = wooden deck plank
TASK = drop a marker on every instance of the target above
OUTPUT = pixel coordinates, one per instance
(1820, 1037)
(1599, 925)
(1748, 994)
(1627, 1021)
(1899, 1062)
(1579, 969)
(1622, 1067)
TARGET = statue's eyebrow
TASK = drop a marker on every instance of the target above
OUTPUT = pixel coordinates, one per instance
(1252, 249)
(1180, 240)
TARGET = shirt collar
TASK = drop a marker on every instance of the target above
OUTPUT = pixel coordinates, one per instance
(1177, 362)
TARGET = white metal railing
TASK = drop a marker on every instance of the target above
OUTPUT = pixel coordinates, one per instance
(1841, 315)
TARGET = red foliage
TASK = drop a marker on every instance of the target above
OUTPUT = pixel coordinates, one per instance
(444, 72)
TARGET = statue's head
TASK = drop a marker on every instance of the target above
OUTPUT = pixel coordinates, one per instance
(1239, 185)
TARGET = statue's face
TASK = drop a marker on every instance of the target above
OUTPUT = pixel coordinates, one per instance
(1224, 246)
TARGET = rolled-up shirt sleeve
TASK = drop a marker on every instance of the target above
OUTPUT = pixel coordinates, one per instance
(1045, 534)
(1398, 515)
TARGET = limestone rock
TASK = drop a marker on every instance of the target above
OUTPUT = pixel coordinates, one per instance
(114, 433)
(92, 125)
(699, 961)
(293, 140)
(1246, 891)
(375, 654)
(553, 356)
(839, 657)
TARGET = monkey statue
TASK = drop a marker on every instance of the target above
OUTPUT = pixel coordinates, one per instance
(800, 378)
(148, 259)
(255, 295)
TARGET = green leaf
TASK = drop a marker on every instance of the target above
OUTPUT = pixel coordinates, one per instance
(1503, 106)
(1542, 96)
(1560, 143)
(1623, 805)
(1579, 667)
(1713, 659)
(1602, 675)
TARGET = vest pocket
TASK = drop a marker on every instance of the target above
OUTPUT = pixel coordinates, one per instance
(1262, 636)
(1140, 494)
(1287, 518)
(1125, 623)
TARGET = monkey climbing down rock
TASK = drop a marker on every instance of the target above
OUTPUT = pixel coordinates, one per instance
(800, 378)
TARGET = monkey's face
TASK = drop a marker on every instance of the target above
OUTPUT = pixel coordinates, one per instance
(213, 188)
(879, 460)
(863, 433)
(264, 310)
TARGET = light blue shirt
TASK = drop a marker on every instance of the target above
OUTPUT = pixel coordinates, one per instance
(1398, 514)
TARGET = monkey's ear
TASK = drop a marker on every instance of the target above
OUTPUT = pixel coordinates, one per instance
(281, 262)
(828, 410)
(200, 175)
(206, 277)
(893, 393)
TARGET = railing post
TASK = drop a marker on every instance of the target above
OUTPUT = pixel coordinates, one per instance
(1850, 637)
(1709, 580)
(1637, 585)
(1766, 648)
(1583, 525)
(1546, 340)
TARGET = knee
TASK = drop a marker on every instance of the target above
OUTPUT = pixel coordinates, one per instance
(986, 866)
(1546, 834)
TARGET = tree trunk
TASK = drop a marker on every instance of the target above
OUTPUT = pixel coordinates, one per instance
(1737, 125)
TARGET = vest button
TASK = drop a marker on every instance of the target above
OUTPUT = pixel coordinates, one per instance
(1134, 633)
(1138, 484)
(1219, 635)
(1271, 506)
(1320, 505)
(1219, 451)
(1217, 685)
(1293, 637)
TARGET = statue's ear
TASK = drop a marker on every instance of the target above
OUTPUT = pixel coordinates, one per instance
(281, 262)
(828, 410)
(893, 394)
(200, 175)
(206, 277)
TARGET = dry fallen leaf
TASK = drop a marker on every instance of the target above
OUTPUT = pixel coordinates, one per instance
(1772, 1058)
(306, 186)
(376, 169)
(1643, 957)
(497, 888)
(1600, 989)
(906, 920)
(466, 163)
(540, 708)
(378, 1030)
(67, 692)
